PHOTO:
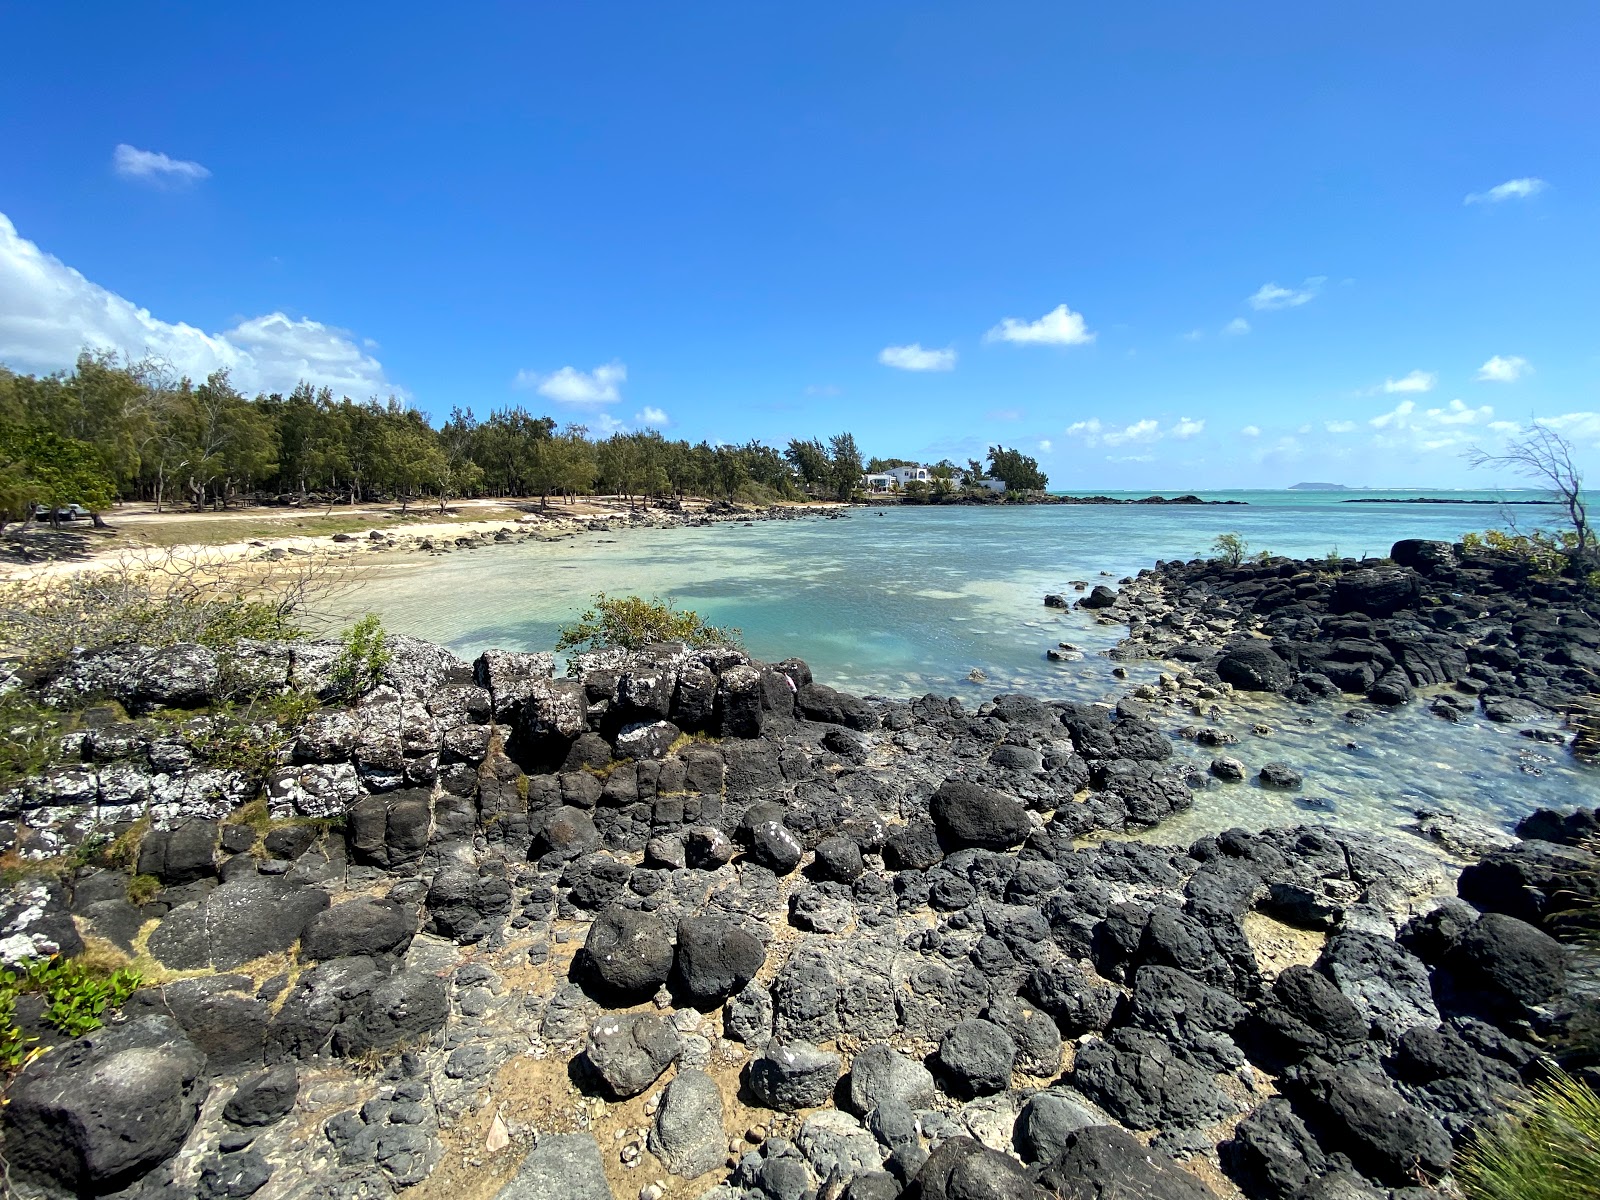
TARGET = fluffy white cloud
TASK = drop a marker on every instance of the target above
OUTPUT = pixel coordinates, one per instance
(132, 163)
(1045, 445)
(650, 416)
(1236, 327)
(1504, 369)
(1186, 428)
(1511, 189)
(50, 312)
(1417, 381)
(1339, 426)
(1270, 296)
(1578, 426)
(915, 358)
(1058, 327)
(1451, 427)
(1251, 431)
(575, 388)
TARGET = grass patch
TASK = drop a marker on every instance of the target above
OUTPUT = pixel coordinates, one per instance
(1547, 1149)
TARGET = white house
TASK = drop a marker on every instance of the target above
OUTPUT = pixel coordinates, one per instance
(905, 475)
(881, 482)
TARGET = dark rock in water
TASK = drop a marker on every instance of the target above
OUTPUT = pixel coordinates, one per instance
(630, 1051)
(265, 1098)
(878, 1075)
(1100, 597)
(1500, 967)
(1228, 769)
(1281, 776)
(688, 1135)
(977, 1058)
(630, 952)
(1532, 881)
(715, 958)
(962, 1169)
(1104, 1163)
(1255, 667)
(1566, 829)
(360, 926)
(968, 815)
(1055, 600)
(1392, 689)
(789, 1076)
(563, 1166)
(96, 1114)
(1357, 1113)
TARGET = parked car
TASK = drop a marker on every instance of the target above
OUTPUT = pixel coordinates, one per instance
(67, 512)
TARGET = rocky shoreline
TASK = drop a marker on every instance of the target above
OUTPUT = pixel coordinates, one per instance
(689, 924)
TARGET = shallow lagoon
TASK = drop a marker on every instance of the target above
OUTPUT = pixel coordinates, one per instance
(901, 602)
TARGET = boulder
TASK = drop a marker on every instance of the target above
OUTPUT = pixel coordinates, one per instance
(962, 1169)
(1045, 1123)
(1532, 881)
(99, 1112)
(977, 1058)
(630, 952)
(364, 925)
(264, 1099)
(237, 922)
(966, 814)
(793, 1075)
(715, 958)
(879, 1074)
(1423, 556)
(688, 1135)
(1376, 591)
(1100, 597)
(630, 1051)
(1255, 667)
(1501, 968)
(1281, 777)
(1102, 1162)
(562, 1166)
(1359, 1113)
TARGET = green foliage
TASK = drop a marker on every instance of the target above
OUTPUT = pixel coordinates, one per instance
(30, 737)
(150, 604)
(632, 622)
(1016, 470)
(40, 466)
(1547, 1149)
(77, 995)
(249, 737)
(1231, 548)
(143, 888)
(363, 654)
(1547, 554)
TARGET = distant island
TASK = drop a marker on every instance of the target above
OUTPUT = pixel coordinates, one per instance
(1319, 487)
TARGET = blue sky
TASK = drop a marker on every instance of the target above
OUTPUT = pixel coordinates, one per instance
(1236, 244)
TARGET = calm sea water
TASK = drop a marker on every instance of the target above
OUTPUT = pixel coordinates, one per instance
(901, 602)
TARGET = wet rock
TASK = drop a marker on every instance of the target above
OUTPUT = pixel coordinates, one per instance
(629, 1052)
(96, 1114)
(688, 1135)
(792, 1075)
(1280, 776)
(1255, 667)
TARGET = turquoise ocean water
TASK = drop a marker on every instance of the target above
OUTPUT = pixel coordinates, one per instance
(901, 602)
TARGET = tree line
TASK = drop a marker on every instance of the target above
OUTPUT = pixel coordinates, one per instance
(114, 429)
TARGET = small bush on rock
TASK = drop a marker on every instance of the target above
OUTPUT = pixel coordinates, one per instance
(631, 622)
(77, 996)
(1548, 1149)
(363, 655)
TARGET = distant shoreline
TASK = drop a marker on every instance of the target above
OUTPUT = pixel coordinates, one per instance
(1435, 500)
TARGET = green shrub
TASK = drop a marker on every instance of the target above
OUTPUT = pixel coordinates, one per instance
(1547, 555)
(143, 888)
(1231, 548)
(631, 622)
(1548, 1148)
(77, 996)
(363, 655)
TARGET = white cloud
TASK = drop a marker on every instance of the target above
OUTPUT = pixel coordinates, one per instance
(1186, 428)
(579, 389)
(50, 312)
(1578, 426)
(1417, 381)
(1504, 369)
(1058, 327)
(651, 416)
(1451, 427)
(1511, 189)
(1270, 296)
(133, 163)
(915, 358)
(1045, 446)
(1251, 431)
(1127, 458)
(1095, 432)
(1339, 426)
(1236, 327)
(1194, 335)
